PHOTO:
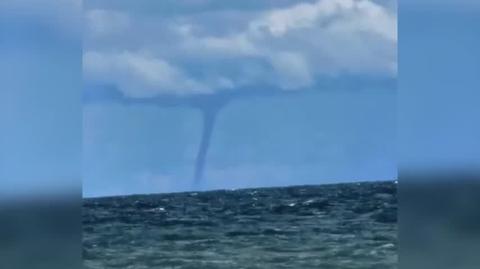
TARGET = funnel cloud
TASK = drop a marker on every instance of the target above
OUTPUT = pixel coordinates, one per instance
(209, 118)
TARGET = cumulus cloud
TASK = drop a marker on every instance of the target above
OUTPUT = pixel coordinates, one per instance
(140, 75)
(288, 48)
(337, 15)
(101, 22)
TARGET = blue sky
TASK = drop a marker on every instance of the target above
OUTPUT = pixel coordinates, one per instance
(308, 93)
(311, 135)
(40, 105)
(438, 85)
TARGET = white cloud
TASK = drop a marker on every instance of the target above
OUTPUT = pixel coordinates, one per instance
(139, 74)
(288, 48)
(100, 22)
(339, 15)
(337, 36)
(292, 69)
(304, 15)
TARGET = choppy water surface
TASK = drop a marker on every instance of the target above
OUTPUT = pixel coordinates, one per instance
(329, 226)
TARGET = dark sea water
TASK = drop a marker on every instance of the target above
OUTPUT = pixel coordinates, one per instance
(328, 226)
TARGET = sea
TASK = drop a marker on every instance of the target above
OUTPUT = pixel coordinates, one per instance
(350, 225)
